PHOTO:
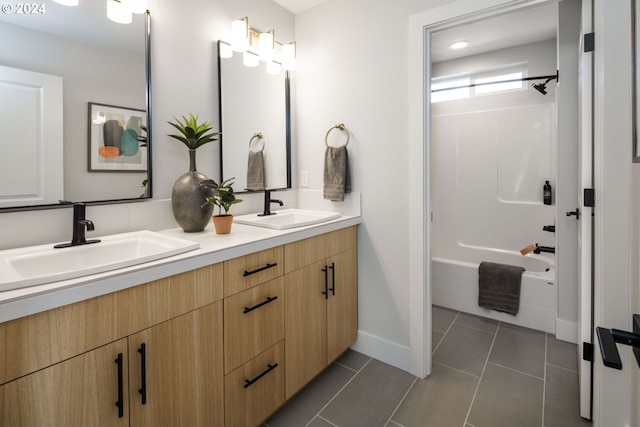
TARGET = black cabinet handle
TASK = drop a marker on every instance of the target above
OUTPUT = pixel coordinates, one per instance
(143, 373)
(258, 270)
(333, 278)
(120, 402)
(248, 383)
(326, 283)
(267, 301)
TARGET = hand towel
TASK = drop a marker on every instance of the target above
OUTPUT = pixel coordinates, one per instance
(255, 171)
(499, 287)
(337, 181)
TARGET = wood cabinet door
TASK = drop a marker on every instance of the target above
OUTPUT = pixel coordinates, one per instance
(81, 391)
(342, 305)
(183, 378)
(305, 325)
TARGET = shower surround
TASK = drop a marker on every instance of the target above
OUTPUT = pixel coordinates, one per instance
(490, 157)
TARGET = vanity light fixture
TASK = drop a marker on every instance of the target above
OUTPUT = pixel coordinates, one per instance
(67, 2)
(119, 11)
(240, 34)
(459, 45)
(265, 46)
(226, 51)
(250, 59)
(289, 56)
(138, 6)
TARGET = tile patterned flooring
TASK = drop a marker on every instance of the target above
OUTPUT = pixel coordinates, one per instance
(485, 374)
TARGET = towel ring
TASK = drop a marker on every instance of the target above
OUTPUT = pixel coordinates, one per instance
(339, 126)
(260, 137)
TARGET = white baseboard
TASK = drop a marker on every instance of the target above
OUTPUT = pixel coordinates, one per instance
(386, 351)
(567, 330)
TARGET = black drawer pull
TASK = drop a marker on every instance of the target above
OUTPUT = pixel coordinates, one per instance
(248, 383)
(333, 278)
(120, 402)
(143, 373)
(258, 270)
(267, 301)
(326, 283)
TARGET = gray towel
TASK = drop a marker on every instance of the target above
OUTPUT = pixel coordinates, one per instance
(336, 173)
(255, 171)
(499, 287)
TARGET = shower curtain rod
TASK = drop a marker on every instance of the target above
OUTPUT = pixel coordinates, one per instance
(555, 76)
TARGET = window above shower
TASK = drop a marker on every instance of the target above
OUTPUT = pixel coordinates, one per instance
(462, 86)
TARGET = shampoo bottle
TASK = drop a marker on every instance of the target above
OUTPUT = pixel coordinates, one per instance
(546, 193)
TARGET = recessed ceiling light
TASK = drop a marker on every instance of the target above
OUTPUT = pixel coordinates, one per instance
(459, 45)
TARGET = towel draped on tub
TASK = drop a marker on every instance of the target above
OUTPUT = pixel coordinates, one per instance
(499, 287)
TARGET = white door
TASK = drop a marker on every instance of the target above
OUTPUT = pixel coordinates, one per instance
(585, 230)
(613, 222)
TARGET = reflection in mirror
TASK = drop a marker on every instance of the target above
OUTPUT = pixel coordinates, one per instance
(76, 62)
(254, 102)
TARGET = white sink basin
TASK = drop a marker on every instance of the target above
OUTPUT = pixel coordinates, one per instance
(36, 265)
(287, 218)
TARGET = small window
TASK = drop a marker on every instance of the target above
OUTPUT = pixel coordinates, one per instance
(449, 88)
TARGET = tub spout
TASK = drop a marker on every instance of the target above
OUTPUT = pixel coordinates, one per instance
(528, 249)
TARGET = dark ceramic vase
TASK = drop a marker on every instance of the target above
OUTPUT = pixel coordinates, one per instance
(187, 198)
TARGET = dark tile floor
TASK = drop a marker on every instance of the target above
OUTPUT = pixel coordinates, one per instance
(485, 374)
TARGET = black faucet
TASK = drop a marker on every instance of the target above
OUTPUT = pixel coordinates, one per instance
(547, 249)
(80, 224)
(267, 203)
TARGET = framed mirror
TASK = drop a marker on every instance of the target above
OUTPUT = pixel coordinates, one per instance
(79, 134)
(255, 117)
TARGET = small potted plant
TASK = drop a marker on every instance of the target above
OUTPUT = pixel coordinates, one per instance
(223, 197)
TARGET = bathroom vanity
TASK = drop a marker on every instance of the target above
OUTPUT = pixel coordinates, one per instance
(222, 335)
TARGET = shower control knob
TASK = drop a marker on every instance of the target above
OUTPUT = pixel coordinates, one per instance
(576, 213)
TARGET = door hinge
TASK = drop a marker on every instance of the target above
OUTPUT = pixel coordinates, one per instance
(587, 351)
(590, 42)
(589, 198)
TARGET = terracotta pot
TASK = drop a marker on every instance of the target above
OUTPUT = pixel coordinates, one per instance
(222, 223)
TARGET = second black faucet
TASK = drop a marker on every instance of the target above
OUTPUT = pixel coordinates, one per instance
(267, 203)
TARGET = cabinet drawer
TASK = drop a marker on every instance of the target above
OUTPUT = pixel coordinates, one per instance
(256, 389)
(305, 252)
(247, 271)
(253, 322)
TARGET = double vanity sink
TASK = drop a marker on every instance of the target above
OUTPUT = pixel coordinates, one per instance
(35, 265)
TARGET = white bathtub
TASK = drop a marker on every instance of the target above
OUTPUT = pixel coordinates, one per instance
(454, 285)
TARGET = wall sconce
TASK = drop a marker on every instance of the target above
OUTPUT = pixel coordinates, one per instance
(259, 46)
(67, 2)
(119, 11)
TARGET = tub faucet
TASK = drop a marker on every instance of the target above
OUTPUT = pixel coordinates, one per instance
(547, 249)
(267, 203)
(80, 225)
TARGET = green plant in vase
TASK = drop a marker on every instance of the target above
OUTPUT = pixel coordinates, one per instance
(222, 195)
(187, 193)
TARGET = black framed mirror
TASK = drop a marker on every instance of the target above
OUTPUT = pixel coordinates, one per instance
(255, 115)
(99, 138)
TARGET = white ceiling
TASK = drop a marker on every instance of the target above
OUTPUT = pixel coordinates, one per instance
(517, 28)
(524, 26)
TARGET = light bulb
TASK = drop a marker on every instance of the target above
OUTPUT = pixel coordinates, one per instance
(138, 6)
(119, 11)
(265, 46)
(67, 2)
(289, 56)
(250, 59)
(239, 35)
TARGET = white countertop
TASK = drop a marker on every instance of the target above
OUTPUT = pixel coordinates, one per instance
(243, 240)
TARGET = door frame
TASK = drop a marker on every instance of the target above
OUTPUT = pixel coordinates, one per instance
(420, 27)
